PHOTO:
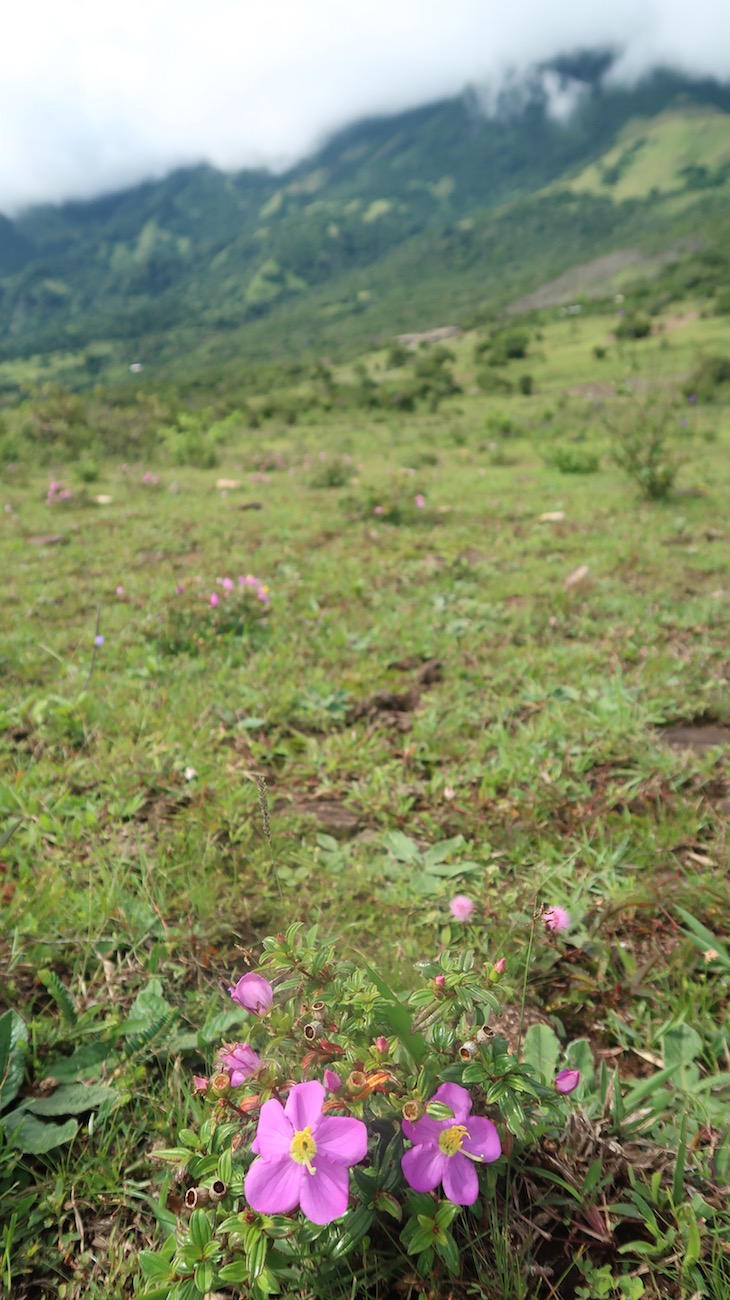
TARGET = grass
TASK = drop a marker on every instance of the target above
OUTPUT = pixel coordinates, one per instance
(434, 677)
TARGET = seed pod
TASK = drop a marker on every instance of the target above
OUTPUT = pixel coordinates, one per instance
(218, 1190)
(195, 1197)
(220, 1084)
(484, 1034)
(313, 1030)
(318, 1007)
(412, 1110)
(357, 1080)
(468, 1051)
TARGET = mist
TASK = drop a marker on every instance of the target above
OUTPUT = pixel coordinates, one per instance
(96, 97)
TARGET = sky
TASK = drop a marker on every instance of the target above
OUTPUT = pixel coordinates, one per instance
(99, 94)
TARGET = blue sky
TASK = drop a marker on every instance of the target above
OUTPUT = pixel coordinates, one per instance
(98, 94)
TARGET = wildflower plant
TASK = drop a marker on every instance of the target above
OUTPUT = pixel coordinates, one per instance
(355, 1122)
(196, 614)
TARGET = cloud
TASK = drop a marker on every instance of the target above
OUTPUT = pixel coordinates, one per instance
(97, 94)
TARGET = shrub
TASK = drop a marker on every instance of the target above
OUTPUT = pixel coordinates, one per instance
(525, 383)
(571, 459)
(646, 445)
(710, 374)
(335, 473)
(636, 325)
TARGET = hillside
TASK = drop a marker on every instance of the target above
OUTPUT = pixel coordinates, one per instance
(392, 225)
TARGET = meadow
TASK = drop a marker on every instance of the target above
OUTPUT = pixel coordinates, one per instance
(478, 657)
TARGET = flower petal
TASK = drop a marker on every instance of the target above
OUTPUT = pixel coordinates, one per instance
(342, 1141)
(274, 1186)
(423, 1167)
(325, 1193)
(483, 1139)
(453, 1095)
(460, 1181)
(304, 1104)
(274, 1134)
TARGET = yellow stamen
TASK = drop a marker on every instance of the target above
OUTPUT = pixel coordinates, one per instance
(452, 1139)
(303, 1148)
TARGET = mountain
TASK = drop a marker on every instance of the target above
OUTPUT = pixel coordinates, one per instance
(395, 223)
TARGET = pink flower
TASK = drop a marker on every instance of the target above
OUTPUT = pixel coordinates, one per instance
(240, 1061)
(378, 510)
(557, 919)
(420, 501)
(254, 993)
(303, 1157)
(498, 966)
(445, 1151)
(120, 590)
(567, 1081)
(263, 595)
(449, 792)
(179, 589)
(227, 584)
(382, 1045)
(439, 981)
(200, 1083)
(461, 907)
(248, 581)
(332, 1081)
(215, 600)
(98, 640)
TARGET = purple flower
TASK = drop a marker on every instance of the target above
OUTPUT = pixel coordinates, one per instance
(98, 640)
(461, 907)
(382, 1044)
(332, 1081)
(692, 398)
(240, 1061)
(303, 1156)
(200, 1083)
(263, 595)
(179, 589)
(253, 992)
(557, 919)
(444, 1150)
(215, 600)
(567, 1081)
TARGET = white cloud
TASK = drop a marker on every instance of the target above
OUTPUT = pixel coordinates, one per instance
(95, 95)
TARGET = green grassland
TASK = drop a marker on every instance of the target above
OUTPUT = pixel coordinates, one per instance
(423, 669)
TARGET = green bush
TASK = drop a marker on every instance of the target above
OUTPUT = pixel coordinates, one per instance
(571, 459)
(635, 325)
(710, 374)
(646, 446)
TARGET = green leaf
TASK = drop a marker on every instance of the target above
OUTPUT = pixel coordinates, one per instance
(579, 1056)
(398, 1017)
(35, 1136)
(448, 1251)
(154, 1266)
(541, 1050)
(72, 1099)
(401, 847)
(438, 1110)
(85, 1062)
(13, 1038)
(200, 1230)
(60, 995)
(438, 852)
(204, 1275)
(681, 1046)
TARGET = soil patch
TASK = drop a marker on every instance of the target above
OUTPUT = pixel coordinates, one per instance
(333, 818)
(696, 736)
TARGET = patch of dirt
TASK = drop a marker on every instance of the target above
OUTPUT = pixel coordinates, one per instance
(396, 707)
(592, 390)
(674, 322)
(333, 818)
(48, 539)
(508, 1024)
(697, 736)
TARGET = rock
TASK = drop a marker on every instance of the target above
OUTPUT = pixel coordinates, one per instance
(228, 483)
(579, 580)
(552, 517)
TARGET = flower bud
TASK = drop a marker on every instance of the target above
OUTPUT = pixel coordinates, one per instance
(498, 966)
(382, 1045)
(332, 1081)
(567, 1081)
(439, 981)
(313, 1030)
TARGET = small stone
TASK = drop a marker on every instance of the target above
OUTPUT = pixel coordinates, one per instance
(552, 517)
(103, 500)
(579, 580)
(190, 773)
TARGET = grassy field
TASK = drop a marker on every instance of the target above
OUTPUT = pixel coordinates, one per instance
(431, 663)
